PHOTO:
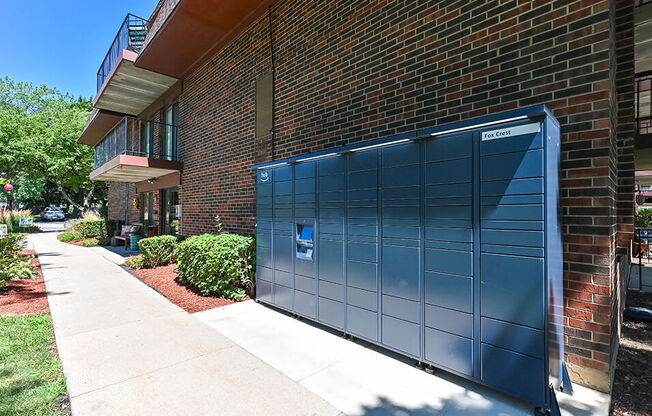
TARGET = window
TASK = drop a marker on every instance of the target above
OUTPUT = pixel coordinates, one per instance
(170, 145)
(147, 139)
(171, 211)
(264, 105)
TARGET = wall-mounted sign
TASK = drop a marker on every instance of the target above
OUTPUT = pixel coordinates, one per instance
(3, 230)
(511, 131)
(26, 222)
(264, 176)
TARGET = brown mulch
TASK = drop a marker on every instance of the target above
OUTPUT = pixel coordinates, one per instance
(27, 296)
(632, 387)
(165, 280)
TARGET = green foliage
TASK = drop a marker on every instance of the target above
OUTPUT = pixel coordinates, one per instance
(13, 243)
(643, 218)
(89, 242)
(135, 262)
(39, 128)
(70, 236)
(99, 229)
(14, 268)
(218, 264)
(159, 250)
(32, 380)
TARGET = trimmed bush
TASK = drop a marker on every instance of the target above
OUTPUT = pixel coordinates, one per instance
(158, 251)
(222, 264)
(89, 242)
(135, 262)
(70, 236)
(102, 230)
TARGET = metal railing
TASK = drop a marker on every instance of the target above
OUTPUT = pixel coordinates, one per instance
(130, 36)
(642, 250)
(135, 137)
(643, 102)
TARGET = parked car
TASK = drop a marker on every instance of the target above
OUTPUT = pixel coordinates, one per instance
(53, 214)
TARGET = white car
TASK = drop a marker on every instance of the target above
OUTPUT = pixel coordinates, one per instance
(53, 214)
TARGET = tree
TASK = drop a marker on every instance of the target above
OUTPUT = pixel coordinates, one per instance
(39, 128)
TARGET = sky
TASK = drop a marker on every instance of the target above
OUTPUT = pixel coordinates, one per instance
(61, 43)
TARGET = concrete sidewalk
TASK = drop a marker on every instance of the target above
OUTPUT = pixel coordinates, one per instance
(359, 379)
(126, 350)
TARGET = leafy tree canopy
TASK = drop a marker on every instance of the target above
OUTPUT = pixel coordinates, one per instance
(39, 128)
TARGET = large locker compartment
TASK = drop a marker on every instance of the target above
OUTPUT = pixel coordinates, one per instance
(442, 244)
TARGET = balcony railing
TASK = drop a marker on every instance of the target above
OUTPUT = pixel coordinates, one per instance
(134, 137)
(130, 36)
(643, 103)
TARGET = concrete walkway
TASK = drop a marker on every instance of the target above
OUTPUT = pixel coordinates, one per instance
(126, 350)
(361, 380)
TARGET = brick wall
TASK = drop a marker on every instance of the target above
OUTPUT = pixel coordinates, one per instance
(348, 71)
(116, 202)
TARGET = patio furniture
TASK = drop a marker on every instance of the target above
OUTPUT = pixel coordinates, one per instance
(126, 232)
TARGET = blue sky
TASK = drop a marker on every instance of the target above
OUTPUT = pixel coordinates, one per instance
(61, 43)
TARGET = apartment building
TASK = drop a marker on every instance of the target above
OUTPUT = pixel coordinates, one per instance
(192, 97)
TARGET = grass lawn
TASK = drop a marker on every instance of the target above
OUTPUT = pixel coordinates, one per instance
(31, 376)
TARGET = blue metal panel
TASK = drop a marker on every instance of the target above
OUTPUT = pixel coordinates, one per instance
(361, 322)
(512, 289)
(304, 303)
(361, 275)
(512, 165)
(331, 312)
(401, 271)
(449, 320)
(283, 296)
(450, 291)
(515, 373)
(450, 351)
(401, 335)
(304, 284)
(361, 298)
(513, 337)
(408, 310)
(330, 290)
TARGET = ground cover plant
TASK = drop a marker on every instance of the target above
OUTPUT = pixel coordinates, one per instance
(14, 264)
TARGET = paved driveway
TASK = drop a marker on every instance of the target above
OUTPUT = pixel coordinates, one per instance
(126, 350)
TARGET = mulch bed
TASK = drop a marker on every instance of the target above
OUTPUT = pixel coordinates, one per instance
(27, 296)
(632, 388)
(166, 281)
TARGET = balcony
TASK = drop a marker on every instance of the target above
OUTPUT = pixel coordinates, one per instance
(121, 86)
(136, 151)
(130, 37)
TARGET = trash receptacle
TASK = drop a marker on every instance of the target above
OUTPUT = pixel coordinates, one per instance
(134, 239)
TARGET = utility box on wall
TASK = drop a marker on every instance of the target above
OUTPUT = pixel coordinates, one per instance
(442, 244)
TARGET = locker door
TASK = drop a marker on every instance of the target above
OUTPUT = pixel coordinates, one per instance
(449, 252)
(512, 265)
(401, 248)
(283, 238)
(362, 245)
(330, 241)
(264, 209)
(304, 215)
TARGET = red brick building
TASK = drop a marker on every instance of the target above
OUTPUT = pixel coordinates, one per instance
(191, 98)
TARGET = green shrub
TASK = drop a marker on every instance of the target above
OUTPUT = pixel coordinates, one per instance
(89, 242)
(159, 250)
(218, 264)
(13, 268)
(70, 236)
(100, 229)
(12, 218)
(135, 262)
(12, 243)
(643, 218)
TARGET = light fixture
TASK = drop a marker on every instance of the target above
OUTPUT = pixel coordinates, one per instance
(373, 146)
(475, 126)
(315, 157)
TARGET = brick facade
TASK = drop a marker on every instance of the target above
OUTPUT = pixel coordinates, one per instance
(348, 71)
(117, 200)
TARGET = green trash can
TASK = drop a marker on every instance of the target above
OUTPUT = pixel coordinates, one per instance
(134, 239)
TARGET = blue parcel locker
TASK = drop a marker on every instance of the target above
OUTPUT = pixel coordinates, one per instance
(443, 245)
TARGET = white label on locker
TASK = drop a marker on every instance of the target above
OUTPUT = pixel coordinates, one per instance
(511, 131)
